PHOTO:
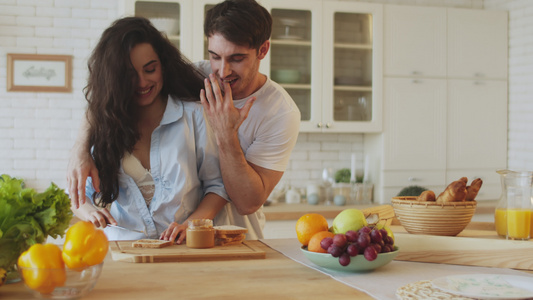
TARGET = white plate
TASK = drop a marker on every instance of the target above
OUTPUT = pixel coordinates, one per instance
(487, 286)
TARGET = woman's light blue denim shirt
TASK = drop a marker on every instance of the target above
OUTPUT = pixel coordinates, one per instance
(185, 167)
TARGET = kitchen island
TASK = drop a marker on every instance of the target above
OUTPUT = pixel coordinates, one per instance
(284, 273)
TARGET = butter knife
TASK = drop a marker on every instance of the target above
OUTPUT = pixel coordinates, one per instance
(124, 228)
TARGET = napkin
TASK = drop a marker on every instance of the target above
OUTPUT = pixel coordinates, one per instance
(383, 282)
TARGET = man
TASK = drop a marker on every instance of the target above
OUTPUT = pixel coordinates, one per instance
(255, 121)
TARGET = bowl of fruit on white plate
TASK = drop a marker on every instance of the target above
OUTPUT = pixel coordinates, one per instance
(363, 250)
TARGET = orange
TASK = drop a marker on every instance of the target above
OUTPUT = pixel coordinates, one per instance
(314, 242)
(309, 224)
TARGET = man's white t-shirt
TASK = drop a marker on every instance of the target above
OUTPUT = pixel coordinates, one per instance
(267, 138)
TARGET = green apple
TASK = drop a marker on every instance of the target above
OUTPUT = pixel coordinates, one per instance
(348, 219)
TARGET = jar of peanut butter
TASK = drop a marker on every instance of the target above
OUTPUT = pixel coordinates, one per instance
(200, 234)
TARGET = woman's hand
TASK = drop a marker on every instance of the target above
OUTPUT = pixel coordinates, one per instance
(174, 231)
(100, 218)
(80, 166)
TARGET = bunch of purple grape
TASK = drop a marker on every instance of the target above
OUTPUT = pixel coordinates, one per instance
(369, 241)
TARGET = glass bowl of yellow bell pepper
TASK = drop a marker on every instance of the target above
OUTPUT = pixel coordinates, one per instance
(60, 283)
(69, 272)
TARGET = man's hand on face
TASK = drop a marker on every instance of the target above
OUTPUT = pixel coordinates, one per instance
(223, 116)
(80, 166)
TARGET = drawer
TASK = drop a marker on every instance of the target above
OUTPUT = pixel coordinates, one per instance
(421, 178)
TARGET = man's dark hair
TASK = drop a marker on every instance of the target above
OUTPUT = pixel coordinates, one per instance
(242, 22)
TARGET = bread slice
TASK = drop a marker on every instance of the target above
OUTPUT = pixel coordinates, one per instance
(230, 236)
(228, 243)
(229, 229)
(151, 243)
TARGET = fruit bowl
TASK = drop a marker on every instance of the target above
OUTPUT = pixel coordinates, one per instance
(78, 283)
(357, 263)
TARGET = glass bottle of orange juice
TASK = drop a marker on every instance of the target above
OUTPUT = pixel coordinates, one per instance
(500, 213)
(514, 211)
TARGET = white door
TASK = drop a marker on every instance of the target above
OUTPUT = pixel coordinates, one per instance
(296, 56)
(477, 124)
(477, 43)
(415, 41)
(352, 65)
(415, 124)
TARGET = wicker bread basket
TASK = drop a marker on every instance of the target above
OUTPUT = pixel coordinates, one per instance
(428, 217)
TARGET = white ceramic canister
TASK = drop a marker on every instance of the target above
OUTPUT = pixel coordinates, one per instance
(292, 196)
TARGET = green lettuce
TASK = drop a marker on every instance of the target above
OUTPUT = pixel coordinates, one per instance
(28, 217)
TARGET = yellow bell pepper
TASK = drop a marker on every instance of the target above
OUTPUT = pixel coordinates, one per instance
(48, 269)
(84, 246)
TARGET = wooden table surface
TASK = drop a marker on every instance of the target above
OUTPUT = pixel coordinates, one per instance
(275, 277)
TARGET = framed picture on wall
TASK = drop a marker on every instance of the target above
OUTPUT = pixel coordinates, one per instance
(39, 73)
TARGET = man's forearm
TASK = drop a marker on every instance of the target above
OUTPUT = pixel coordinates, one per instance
(246, 186)
(209, 207)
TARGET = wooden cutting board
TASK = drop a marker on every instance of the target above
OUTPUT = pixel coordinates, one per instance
(471, 248)
(123, 251)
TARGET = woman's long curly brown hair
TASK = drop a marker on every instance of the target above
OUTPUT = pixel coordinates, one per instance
(111, 111)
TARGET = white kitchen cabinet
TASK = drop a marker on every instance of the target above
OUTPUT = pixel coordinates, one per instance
(477, 132)
(414, 41)
(477, 43)
(448, 120)
(412, 147)
(336, 48)
(415, 124)
(477, 124)
(332, 50)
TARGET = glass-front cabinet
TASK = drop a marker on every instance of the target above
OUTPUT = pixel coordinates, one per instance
(327, 55)
(172, 17)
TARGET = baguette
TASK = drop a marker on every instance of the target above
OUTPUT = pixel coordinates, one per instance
(151, 243)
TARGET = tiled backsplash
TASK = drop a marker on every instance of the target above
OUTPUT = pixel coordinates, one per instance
(315, 151)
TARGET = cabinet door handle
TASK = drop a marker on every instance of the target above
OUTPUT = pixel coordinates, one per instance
(412, 179)
(479, 75)
(416, 81)
(477, 82)
(319, 125)
(416, 73)
(328, 125)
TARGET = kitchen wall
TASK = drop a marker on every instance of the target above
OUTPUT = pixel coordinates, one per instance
(37, 130)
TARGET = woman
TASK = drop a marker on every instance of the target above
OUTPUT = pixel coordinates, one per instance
(155, 155)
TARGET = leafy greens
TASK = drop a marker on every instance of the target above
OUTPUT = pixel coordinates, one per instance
(28, 217)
